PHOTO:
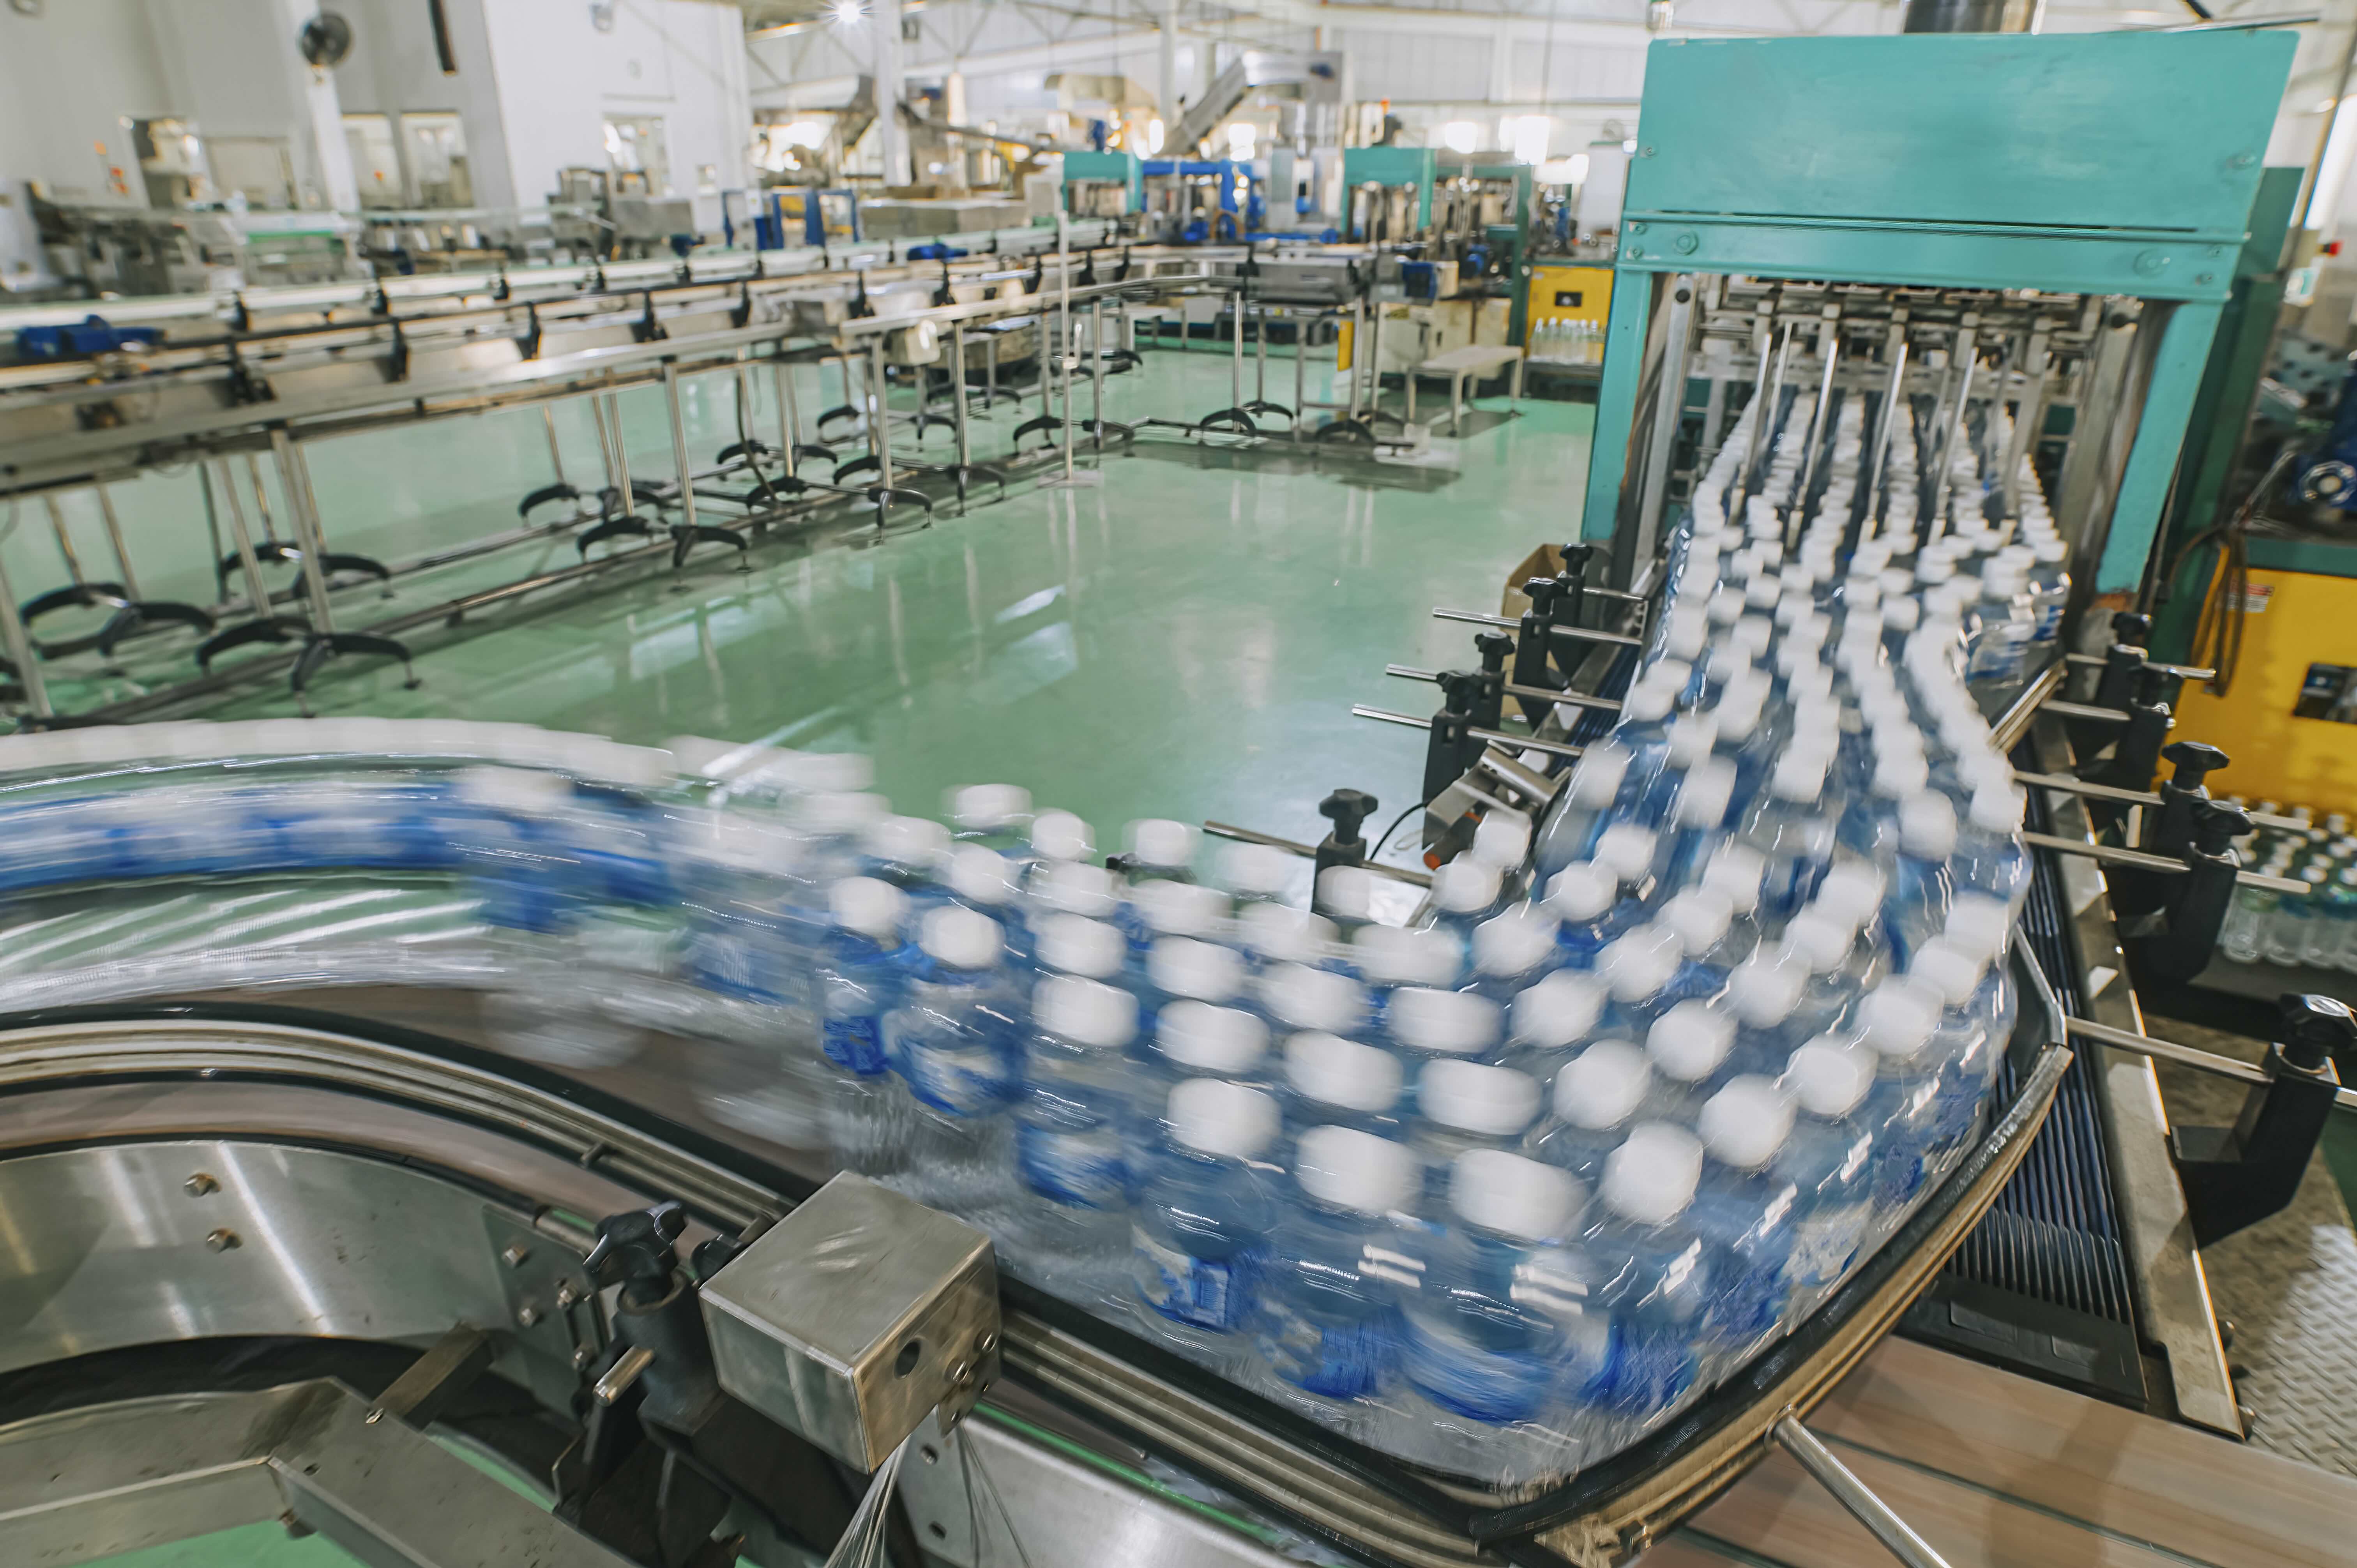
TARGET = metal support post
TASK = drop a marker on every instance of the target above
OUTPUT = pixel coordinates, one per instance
(1064, 330)
(296, 486)
(1968, 353)
(1375, 363)
(1096, 373)
(1358, 347)
(880, 420)
(1855, 1496)
(1894, 408)
(115, 542)
(789, 422)
(957, 407)
(680, 463)
(19, 645)
(555, 455)
(249, 565)
(2026, 415)
(1236, 359)
(1669, 409)
(621, 453)
(1828, 350)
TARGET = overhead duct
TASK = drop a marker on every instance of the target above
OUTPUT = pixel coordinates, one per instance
(1973, 16)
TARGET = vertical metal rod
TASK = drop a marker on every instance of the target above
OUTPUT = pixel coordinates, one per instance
(1763, 334)
(19, 645)
(1096, 372)
(790, 421)
(115, 542)
(605, 447)
(1066, 362)
(1969, 351)
(1856, 1497)
(1669, 409)
(1300, 349)
(260, 496)
(1375, 361)
(249, 565)
(882, 421)
(1358, 347)
(958, 409)
(680, 462)
(1895, 407)
(212, 519)
(306, 530)
(990, 372)
(65, 541)
(1236, 359)
(621, 454)
(1829, 350)
(1713, 414)
(555, 455)
(1259, 359)
(2026, 415)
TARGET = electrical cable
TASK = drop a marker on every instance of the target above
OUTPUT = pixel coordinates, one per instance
(2218, 631)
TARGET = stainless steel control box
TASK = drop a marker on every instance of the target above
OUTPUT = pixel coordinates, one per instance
(857, 1316)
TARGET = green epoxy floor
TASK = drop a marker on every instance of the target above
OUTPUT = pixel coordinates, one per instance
(1185, 638)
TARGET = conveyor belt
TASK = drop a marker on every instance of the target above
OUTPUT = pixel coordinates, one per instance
(2041, 1286)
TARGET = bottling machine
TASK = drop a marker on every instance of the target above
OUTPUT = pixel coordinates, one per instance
(263, 1247)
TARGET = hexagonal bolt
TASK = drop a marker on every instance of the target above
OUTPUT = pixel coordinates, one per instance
(514, 1257)
(568, 1294)
(200, 1186)
(221, 1240)
(527, 1314)
(583, 1355)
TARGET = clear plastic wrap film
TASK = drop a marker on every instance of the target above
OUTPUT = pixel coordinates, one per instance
(1494, 1193)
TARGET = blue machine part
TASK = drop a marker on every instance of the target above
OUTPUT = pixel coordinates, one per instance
(1419, 279)
(936, 251)
(2328, 475)
(91, 335)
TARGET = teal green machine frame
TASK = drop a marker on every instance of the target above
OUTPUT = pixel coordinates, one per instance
(1115, 165)
(2092, 163)
(1418, 166)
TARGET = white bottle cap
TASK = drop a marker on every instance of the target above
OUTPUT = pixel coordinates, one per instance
(1465, 886)
(1851, 893)
(1648, 702)
(1503, 839)
(1161, 843)
(1637, 965)
(1947, 971)
(1703, 796)
(1346, 1168)
(1085, 1011)
(1688, 1042)
(1927, 825)
(1511, 1195)
(1595, 780)
(1900, 773)
(1603, 1084)
(1746, 1122)
(1799, 777)
(1765, 988)
(1698, 918)
(1494, 1101)
(1347, 892)
(1459, 1023)
(872, 908)
(1996, 808)
(1515, 942)
(907, 841)
(1203, 970)
(1626, 850)
(962, 939)
(1829, 1078)
(1650, 1177)
(1075, 886)
(989, 807)
(1736, 872)
(1559, 1011)
(1221, 1040)
(1059, 836)
(1307, 998)
(1255, 870)
(1981, 925)
(979, 874)
(1582, 892)
(1222, 1119)
(1898, 1018)
(1078, 945)
(1178, 909)
(1389, 955)
(1335, 1072)
(1284, 935)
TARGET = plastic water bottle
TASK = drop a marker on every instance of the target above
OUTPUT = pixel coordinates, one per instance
(1076, 945)
(1332, 1080)
(1072, 1149)
(1512, 951)
(1585, 899)
(1390, 958)
(1195, 1039)
(995, 816)
(1296, 996)
(860, 983)
(907, 853)
(1963, 1045)
(1895, 1022)
(1503, 839)
(2050, 592)
(1498, 1315)
(1744, 1206)
(1828, 1158)
(1548, 1022)
(1589, 797)
(1183, 969)
(1059, 837)
(1273, 934)
(1763, 995)
(1916, 907)
(1427, 1024)
(1655, 1271)
(1709, 941)
(1071, 887)
(1698, 820)
(953, 1043)
(1346, 896)
(1789, 831)
(1462, 1105)
(1689, 1045)
(1989, 855)
(982, 879)
(1326, 1321)
(1198, 1241)
(1636, 969)
(1596, 1099)
(1464, 894)
(1630, 852)
(1161, 850)
(1164, 908)
(1257, 873)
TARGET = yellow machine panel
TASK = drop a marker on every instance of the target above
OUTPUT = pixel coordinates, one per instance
(2289, 723)
(1570, 293)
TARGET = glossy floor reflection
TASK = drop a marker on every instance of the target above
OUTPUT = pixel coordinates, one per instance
(1184, 639)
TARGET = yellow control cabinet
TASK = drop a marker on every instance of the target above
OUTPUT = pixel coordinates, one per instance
(2289, 723)
(1568, 293)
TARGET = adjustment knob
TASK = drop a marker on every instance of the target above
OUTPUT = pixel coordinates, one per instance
(2216, 826)
(1495, 648)
(1346, 809)
(2194, 761)
(633, 1249)
(2315, 1028)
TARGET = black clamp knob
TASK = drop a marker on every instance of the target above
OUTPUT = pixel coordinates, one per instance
(1495, 648)
(2156, 687)
(2316, 1028)
(2194, 760)
(1542, 592)
(1575, 560)
(634, 1251)
(2216, 826)
(1462, 693)
(2129, 627)
(1346, 809)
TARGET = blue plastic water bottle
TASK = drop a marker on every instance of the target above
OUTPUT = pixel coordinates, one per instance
(1072, 1141)
(1597, 1096)
(1327, 1323)
(1829, 1160)
(1202, 1222)
(954, 1043)
(1744, 1208)
(859, 982)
